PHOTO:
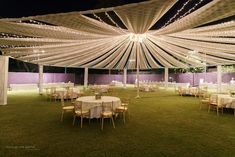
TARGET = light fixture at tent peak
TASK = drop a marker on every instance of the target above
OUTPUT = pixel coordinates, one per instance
(38, 51)
(193, 52)
(137, 37)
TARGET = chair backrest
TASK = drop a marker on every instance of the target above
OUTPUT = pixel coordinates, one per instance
(78, 106)
(213, 99)
(126, 100)
(62, 99)
(47, 91)
(52, 90)
(107, 106)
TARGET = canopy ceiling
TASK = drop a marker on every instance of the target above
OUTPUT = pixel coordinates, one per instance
(76, 40)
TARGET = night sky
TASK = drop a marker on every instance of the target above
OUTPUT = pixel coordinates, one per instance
(20, 8)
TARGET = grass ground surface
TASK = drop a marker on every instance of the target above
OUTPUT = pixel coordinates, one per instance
(161, 124)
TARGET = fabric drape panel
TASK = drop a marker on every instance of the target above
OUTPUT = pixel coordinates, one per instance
(34, 30)
(139, 18)
(79, 22)
(76, 40)
(215, 10)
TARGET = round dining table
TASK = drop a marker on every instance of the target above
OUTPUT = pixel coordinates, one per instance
(95, 105)
(224, 100)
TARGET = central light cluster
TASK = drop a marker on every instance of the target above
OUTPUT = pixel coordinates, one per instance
(137, 37)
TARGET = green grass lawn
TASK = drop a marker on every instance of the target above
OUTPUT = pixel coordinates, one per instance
(161, 124)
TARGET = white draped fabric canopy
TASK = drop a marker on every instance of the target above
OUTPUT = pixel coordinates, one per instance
(77, 40)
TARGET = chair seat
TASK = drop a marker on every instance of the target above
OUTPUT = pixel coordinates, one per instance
(121, 108)
(205, 101)
(78, 112)
(213, 104)
(68, 107)
(54, 94)
(124, 104)
(106, 113)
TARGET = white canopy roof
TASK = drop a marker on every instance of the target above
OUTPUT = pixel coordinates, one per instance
(76, 40)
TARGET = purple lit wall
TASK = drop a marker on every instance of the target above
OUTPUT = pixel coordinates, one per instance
(22, 78)
(184, 78)
(106, 78)
(192, 78)
(227, 77)
(32, 78)
(103, 78)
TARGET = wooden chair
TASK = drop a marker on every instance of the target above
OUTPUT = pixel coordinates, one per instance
(204, 99)
(48, 93)
(79, 112)
(213, 100)
(72, 95)
(107, 112)
(220, 105)
(180, 91)
(122, 110)
(53, 94)
(65, 108)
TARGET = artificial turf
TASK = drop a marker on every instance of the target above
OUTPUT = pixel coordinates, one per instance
(161, 124)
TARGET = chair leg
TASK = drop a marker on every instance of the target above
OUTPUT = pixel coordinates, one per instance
(62, 116)
(113, 122)
(102, 123)
(124, 117)
(217, 108)
(74, 118)
(81, 121)
(129, 114)
(209, 107)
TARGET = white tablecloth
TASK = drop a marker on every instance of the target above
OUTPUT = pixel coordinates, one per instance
(225, 100)
(89, 102)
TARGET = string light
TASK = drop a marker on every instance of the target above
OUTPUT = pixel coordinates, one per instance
(97, 17)
(190, 10)
(186, 13)
(106, 13)
(36, 22)
(178, 12)
(218, 26)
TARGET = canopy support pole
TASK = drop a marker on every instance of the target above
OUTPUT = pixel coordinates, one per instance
(124, 77)
(166, 73)
(40, 80)
(85, 77)
(219, 78)
(137, 70)
(3, 79)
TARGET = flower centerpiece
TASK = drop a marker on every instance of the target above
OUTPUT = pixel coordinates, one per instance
(97, 96)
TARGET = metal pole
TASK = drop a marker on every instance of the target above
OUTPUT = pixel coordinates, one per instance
(124, 77)
(85, 77)
(137, 73)
(166, 77)
(219, 78)
(40, 83)
(4, 79)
